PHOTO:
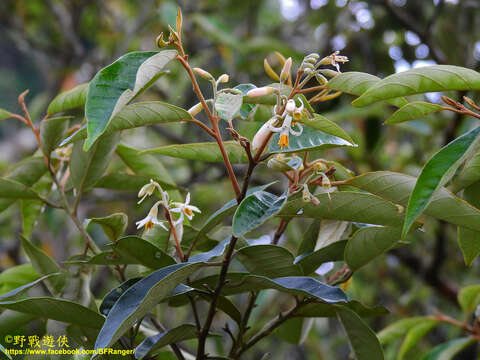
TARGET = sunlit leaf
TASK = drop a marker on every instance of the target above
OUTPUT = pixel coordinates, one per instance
(69, 99)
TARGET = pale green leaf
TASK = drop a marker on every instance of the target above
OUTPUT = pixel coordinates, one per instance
(412, 111)
(469, 298)
(69, 99)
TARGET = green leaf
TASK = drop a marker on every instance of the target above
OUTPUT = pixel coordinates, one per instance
(113, 225)
(3, 351)
(469, 175)
(412, 111)
(228, 103)
(399, 328)
(254, 210)
(145, 165)
(69, 99)
(356, 83)
(226, 210)
(329, 310)
(137, 115)
(268, 260)
(311, 261)
(469, 240)
(13, 321)
(155, 342)
(397, 188)
(369, 242)
(52, 132)
(309, 238)
(113, 295)
(43, 264)
(436, 172)
(309, 140)
(421, 80)
(87, 168)
(347, 206)
(4, 114)
(295, 330)
(207, 151)
(245, 108)
(469, 298)
(448, 350)
(10, 189)
(31, 209)
(127, 182)
(56, 309)
(15, 276)
(116, 85)
(140, 298)
(414, 335)
(362, 339)
(20, 290)
(321, 123)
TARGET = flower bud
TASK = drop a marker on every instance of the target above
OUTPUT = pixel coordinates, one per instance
(329, 72)
(203, 74)
(319, 167)
(290, 107)
(263, 91)
(223, 79)
(194, 110)
(262, 134)
(321, 79)
(286, 70)
(179, 21)
(161, 42)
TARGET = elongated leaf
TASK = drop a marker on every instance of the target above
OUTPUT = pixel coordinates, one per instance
(469, 298)
(362, 339)
(52, 132)
(414, 335)
(309, 238)
(397, 188)
(226, 210)
(10, 189)
(31, 209)
(399, 328)
(57, 309)
(43, 264)
(469, 175)
(369, 242)
(145, 165)
(412, 111)
(128, 182)
(113, 295)
(119, 83)
(295, 330)
(113, 225)
(152, 343)
(436, 172)
(16, 276)
(255, 209)
(329, 310)
(321, 123)
(268, 260)
(469, 240)
(137, 115)
(348, 206)
(207, 151)
(309, 140)
(448, 350)
(356, 83)
(20, 290)
(421, 80)
(311, 261)
(139, 300)
(69, 99)
(87, 168)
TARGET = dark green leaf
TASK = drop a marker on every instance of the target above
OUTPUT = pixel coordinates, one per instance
(310, 140)
(10, 189)
(113, 225)
(119, 83)
(128, 182)
(448, 350)
(414, 335)
(421, 80)
(31, 209)
(52, 132)
(179, 333)
(295, 330)
(56, 309)
(20, 290)
(309, 238)
(469, 240)
(87, 168)
(268, 260)
(113, 295)
(329, 310)
(412, 111)
(311, 261)
(362, 339)
(254, 210)
(69, 99)
(399, 328)
(207, 151)
(469, 175)
(436, 172)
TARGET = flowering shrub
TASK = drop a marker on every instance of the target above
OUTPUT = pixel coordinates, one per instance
(354, 218)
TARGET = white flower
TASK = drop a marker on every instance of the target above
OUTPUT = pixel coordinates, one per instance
(184, 209)
(334, 60)
(148, 189)
(151, 219)
(291, 113)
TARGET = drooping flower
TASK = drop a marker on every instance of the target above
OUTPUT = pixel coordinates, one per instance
(334, 60)
(151, 219)
(148, 190)
(291, 112)
(184, 209)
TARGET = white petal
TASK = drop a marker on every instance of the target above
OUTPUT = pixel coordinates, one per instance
(176, 210)
(187, 199)
(325, 268)
(194, 208)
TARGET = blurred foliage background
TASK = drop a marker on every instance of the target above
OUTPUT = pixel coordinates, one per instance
(52, 45)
